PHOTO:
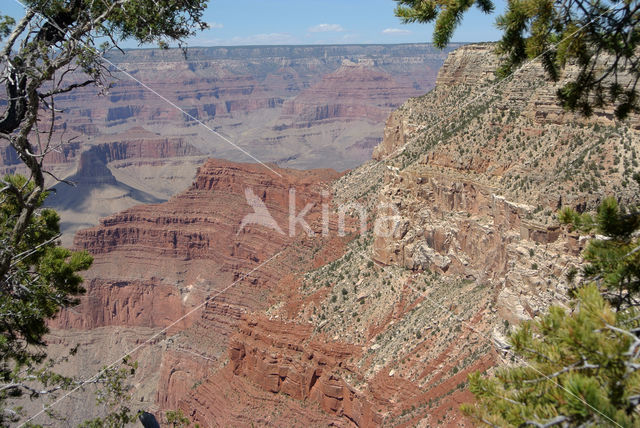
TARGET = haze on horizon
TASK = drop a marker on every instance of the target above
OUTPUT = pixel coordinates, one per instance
(309, 22)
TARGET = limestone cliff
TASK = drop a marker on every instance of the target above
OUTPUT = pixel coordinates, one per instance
(378, 328)
(465, 185)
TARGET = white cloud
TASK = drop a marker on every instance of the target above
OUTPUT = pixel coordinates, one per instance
(215, 25)
(326, 28)
(395, 31)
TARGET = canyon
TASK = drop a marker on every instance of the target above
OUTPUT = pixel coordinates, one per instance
(296, 106)
(247, 325)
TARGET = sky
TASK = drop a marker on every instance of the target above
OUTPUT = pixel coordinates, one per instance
(269, 22)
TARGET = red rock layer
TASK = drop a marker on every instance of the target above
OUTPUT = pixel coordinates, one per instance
(134, 146)
(280, 358)
(153, 262)
(204, 222)
(352, 92)
(225, 399)
(207, 338)
(125, 303)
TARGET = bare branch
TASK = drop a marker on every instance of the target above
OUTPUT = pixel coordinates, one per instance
(67, 89)
(15, 34)
(552, 422)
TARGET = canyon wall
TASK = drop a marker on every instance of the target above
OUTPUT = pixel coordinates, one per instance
(296, 106)
(192, 242)
(374, 328)
(251, 95)
(189, 269)
(465, 186)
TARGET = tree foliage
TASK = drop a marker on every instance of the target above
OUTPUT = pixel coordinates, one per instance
(577, 366)
(114, 394)
(43, 278)
(177, 419)
(601, 37)
(581, 370)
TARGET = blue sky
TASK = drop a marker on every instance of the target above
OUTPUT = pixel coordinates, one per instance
(257, 22)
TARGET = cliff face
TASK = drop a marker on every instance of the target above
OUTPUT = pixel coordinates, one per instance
(296, 106)
(149, 248)
(143, 148)
(466, 184)
(493, 162)
(157, 263)
(373, 329)
(481, 180)
(279, 358)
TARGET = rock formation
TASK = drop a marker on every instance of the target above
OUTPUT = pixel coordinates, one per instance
(354, 91)
(303, 107)
(466, 184)
(378, 328)
(155, 264)
(196, 233)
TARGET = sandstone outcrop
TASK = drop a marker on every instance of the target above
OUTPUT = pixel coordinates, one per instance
(280, 358)
(393, 139)
(155, 264)
(354, 91)
(378, 328)
(466, 186)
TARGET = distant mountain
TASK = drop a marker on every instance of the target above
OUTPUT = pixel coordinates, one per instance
(296, 106)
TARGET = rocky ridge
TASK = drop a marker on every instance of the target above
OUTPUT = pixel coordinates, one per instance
(467, 180)
(297, 106)
(377, 328)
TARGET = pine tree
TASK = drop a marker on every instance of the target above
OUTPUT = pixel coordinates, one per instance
(577, 366)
